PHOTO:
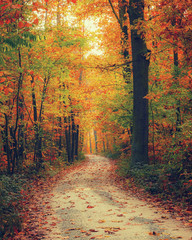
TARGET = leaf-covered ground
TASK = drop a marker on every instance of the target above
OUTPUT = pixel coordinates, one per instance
(85, 203)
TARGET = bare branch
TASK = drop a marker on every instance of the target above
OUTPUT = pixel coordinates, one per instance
(115, 14)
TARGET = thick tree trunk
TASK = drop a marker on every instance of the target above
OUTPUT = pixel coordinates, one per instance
(140, 58)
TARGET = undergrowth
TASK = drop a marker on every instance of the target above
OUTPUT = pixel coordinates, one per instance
(12, 188)
(10, 197)
(168, 181)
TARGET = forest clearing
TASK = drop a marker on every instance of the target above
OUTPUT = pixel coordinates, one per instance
(109, 78)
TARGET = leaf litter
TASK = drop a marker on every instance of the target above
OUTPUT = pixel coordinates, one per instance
(83, 197)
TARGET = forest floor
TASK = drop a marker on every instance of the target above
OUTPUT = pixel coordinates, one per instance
(85, 202)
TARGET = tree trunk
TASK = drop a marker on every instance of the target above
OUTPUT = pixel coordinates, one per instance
(6, 145)
(103, 145)
(90, 144)
(73, 133)
(176, 74)
(123, 6)
(77, 142)
(140, 58)
(20, 137)
(95, 137)
(60, 136)
(122, 20)
(37, 130)
(68, 137)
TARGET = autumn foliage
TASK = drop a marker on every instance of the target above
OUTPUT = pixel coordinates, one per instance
(64, 89)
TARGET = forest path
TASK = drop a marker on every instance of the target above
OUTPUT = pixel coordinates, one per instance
(86, 205)
(87, 201)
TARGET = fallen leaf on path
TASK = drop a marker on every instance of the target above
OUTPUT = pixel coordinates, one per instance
(97, 237)
(72, 229)
(89, 206)
(109, 232)
(154, 234)
(117, 221)
(53, 224)
(101, 221)
(128, 223)
(164, 217)
(93, 230)
(120, 215)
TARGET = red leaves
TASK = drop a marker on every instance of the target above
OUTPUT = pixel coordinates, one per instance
(89, 206)
(93, 230)
(73, 1)
(21, 25)
(53, 224)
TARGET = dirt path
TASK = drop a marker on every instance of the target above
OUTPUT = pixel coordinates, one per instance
(84, 204)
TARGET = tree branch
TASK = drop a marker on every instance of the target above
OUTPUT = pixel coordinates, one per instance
(115, 14)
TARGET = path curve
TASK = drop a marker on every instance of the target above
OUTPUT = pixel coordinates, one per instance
(85, 205)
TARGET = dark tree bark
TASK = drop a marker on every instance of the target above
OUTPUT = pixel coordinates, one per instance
(73, 133)
(37, 128)
(176, 74)
(90, 145)
(122, 20)
(95, 137)
(17, 131)
(68, 137)
(140, 58)
(77, 141)
(103, 145)
(123, 8)
(6, 145)
(20, 137)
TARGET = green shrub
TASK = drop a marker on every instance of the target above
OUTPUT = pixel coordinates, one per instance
(169, 180)
(115, 154)
(10, 188)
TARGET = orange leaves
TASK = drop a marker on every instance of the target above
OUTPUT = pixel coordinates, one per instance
(154, 233)
(72, 1)
(36, 21)
(153, 96)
